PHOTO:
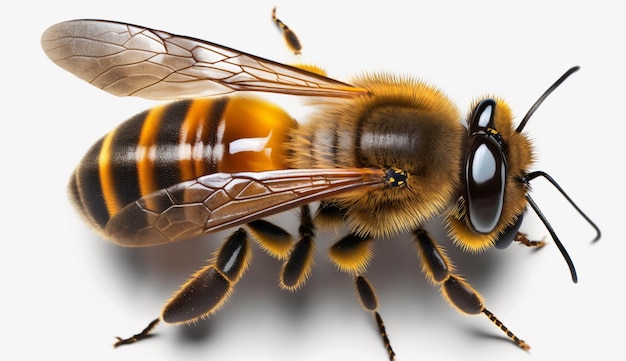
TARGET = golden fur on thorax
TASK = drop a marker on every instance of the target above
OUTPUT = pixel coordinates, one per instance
(403, 123)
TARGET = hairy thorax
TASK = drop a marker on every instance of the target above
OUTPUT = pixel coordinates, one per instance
(403, 124)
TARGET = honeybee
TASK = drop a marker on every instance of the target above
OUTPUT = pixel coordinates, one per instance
(382, 155)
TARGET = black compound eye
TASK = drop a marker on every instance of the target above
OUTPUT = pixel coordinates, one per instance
(485, 171)
(482, 116)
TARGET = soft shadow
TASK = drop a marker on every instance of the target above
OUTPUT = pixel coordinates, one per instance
(482, 335)
(394, 272)
(196, 333)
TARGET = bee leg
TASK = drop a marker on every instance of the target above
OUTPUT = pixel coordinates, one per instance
(297, 267)
(368, 299)
(207, 289)
(291, 39)
(273, 239)
(329, 215)
(458, 293)
(138, 337)
(522, 238)
(352, 254)
(294, 45)
(211, 286)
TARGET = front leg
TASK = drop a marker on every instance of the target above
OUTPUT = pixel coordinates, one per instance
(522, 238)
(439, 270)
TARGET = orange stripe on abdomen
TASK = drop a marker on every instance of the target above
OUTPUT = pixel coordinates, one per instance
(107, 180)
(192, 139)
(146, 150)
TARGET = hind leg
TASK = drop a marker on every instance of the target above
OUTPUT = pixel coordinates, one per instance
(207, 290)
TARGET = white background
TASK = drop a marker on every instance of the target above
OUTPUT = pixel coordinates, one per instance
(67, 292)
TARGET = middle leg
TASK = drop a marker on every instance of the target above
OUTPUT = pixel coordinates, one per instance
(352, 254)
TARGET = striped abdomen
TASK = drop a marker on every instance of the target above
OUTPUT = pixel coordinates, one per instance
(173, 143)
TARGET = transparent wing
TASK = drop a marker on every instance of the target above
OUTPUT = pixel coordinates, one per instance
(130, 60)
(221, 200)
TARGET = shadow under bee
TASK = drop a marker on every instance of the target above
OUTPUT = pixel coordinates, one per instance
(394, 272)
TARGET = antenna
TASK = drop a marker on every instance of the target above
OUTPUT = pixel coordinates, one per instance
(543, 97)
(526, 180)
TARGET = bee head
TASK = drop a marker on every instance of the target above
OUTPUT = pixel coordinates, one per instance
(496, 181)
(492, 197)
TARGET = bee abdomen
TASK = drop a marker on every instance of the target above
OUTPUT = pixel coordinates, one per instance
(173, 143)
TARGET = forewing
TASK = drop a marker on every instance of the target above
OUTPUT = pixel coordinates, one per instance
(130, 60)
(221, 200)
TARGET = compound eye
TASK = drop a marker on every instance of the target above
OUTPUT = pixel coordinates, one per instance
(485, 179)
(485, 171)
(482, 116)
